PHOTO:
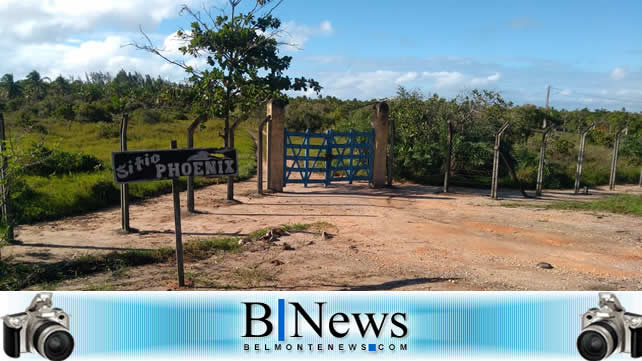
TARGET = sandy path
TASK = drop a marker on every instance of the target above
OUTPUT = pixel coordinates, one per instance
(408, 237)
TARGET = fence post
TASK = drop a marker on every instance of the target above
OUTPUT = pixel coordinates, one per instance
(177, 227)
(495, 175)
(448, 155)
(380, 125)
(542, 157)
(580, 158)
(4, 186)
(328, 157)
(616, 149)
(391, 151)
(275, 144)
(190, 179)
(124, 188)
(259, 156)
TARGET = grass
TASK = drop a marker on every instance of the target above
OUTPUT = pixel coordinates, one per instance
(253, 276)
(17, 276)
(58, 196)
(289, 228)
(21, 275)
(620, 203)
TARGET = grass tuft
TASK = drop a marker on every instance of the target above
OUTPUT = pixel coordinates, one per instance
(620, 203)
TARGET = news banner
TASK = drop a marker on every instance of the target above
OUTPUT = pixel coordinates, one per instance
(322, 325)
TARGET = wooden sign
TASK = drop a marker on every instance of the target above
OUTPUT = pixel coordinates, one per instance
(152, 165)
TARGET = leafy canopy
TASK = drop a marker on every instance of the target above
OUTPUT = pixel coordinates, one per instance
(241, 51)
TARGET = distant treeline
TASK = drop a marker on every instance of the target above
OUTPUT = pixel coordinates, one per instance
(421, 124)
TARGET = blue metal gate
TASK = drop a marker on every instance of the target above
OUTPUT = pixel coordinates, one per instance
(327, 157)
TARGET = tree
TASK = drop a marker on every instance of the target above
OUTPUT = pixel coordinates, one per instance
(10, 87)
(243, 66)
(61, 86)
(36, 86)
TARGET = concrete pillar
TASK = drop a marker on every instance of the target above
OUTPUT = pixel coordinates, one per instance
(275, 144)
(380, 125)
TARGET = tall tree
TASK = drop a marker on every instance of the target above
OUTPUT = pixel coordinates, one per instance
(11, 88)
(243, 66)
(36, 86)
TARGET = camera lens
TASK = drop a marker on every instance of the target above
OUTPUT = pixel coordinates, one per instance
(597, 341)
(59, 345)
(592, 346)
(53, 341)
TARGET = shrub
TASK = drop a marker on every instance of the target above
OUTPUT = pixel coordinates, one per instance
(91, 112)
(108, 130)
(48, 162)
(563, 146)
(150, 116)
(64, 111)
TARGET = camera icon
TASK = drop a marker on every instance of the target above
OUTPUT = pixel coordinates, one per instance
(41, 328)
(609, 328)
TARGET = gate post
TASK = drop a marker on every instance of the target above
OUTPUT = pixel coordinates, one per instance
(616, 148)
(275, 144)
(580, 158)
(380, 125)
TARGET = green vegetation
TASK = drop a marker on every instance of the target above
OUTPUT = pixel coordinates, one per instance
(243, 68)
(421, 137)
(77, 176)
(17, 276)
(21, 275)
(619, 203)
(289, 228)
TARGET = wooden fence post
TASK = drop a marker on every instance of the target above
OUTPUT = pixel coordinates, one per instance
(391, 151)
(380, 125)
(4, 186)
(494, 178)
(124, 188)
(190, 145)
(259, 156)
(178, 230)
(275, 144)
(580, 158)
(448, 156)
(616, 149)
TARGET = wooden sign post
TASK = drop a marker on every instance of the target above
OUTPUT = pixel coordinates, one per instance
(152, 165)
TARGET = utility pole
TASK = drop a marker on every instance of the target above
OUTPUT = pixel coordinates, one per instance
(548, 96)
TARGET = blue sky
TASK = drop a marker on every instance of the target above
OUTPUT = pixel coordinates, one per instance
(589, 51)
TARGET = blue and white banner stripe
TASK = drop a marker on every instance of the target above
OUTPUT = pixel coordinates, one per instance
(207, 325)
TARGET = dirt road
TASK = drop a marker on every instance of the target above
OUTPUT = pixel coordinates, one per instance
(407, 238)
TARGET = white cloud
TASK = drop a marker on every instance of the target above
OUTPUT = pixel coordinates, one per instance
(566, 92)
(404, 78)
(444, 79)
(483, 81)
(54, 20)
(618, 73)
(326, 27)
(296, 35)
(383, 83)
(106, 55)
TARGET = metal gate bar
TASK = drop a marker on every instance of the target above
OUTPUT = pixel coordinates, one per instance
(340, 156)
